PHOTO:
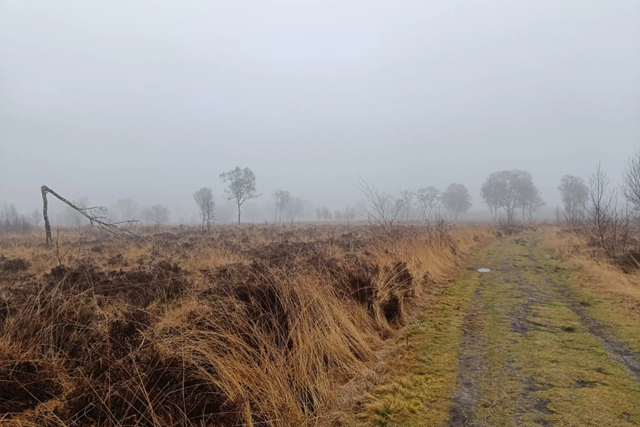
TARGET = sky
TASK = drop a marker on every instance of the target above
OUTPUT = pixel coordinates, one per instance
(154, 99)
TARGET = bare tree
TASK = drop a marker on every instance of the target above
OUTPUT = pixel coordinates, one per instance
(631, 181)
(158, 215)
(36, 218)
(206, 205)
(13, 222)
(429, 199)
(295, 209)
(558, 213)
(242, 186)
(574, 193)
(382, 209)
(282, 199)
(323, 213)
(533, 204)
(407, 202)
(349, 213)
(607, 221)
(127, 208)
(529, 199)
(96, 215)
(492, 193)
(456, 200)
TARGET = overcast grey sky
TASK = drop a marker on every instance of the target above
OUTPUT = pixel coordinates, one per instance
(154, 99)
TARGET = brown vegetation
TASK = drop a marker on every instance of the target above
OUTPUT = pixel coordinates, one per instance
(244, 326)
(615, 279)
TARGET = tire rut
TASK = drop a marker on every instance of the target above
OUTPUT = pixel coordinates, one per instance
(528, 402)
(531, 405)
(471, 365)
(618, 351)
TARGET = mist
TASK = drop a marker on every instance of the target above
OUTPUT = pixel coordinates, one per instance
(154, 100)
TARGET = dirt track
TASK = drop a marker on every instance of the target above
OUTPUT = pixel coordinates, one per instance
(523, 345)
(532, 354)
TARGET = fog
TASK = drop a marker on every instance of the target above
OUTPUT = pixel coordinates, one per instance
(152, 100)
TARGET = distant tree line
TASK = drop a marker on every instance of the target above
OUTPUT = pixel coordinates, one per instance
(510, 195)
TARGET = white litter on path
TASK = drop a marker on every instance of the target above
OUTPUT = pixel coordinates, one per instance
(484, 270)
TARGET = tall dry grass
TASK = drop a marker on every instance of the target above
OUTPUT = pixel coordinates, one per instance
(254, 325)
(619, 283)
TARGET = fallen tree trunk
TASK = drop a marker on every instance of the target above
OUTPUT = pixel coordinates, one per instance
(95, 215)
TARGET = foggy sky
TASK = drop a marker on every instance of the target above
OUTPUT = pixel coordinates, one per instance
(154, 99)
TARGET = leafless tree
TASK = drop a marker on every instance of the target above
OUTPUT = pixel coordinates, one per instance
(242, 186)
(574, 193)
(631, 181)
(533, 204)
(13, 222)
(206, 206)
(127, 208)
(349, 213)
(323, 213)
(36, 218)
(429, 199)
(558, 213)
(456, 200)
(158, 215)
(606, 219)
(407, 202)
(381, 210)
(296, 209)
(97, 215)
(282, 199)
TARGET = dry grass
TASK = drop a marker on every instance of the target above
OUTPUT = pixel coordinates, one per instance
(597, 273)
(254, 325)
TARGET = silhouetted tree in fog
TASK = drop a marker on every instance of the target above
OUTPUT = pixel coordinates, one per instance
(534, 204)
(12, 222)
(381, 208)
(429, 199)
(242, 186)
(127, 208)
(529, 199)
(456, 200)
(349, 213)
(492, 191)
(574, 193)
(36, 217)
(511, 190)
(282, 199)
(631, 181)
(323, 213)
(157, 214)
(407, 202)
(206, 206)
(295, 209)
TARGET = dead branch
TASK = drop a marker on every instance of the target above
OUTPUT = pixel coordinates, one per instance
(95, 215)
(382, 209)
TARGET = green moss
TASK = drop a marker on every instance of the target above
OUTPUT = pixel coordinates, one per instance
(540, 363)
(426, 369)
